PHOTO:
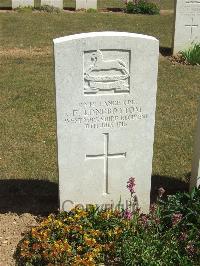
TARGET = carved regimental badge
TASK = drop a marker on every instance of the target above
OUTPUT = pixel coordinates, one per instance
(106, 72)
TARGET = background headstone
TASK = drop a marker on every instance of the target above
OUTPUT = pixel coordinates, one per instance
(106, 97)
(86, 4)
(187, 24)
(55, 3)
(22, 3)
(195, 175)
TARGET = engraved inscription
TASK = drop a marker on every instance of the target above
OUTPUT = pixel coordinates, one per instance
(105, 156)
(193, 2)
(191, 26)
(105, 114)
(107, 72)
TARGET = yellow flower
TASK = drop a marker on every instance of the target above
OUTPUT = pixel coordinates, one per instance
(26, 243)
(94, 232)
(79, 248)
(89, 241)
(110, 232)
(107, 214)
(117, 231)
(71, 219)
(96, 251)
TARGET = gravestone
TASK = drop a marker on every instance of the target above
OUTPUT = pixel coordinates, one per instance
(22, 3)
(86, 4)
(187, 24)
(195, 175)
(54, 3)
(105, 101)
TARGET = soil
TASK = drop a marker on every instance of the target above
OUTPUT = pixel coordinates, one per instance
(23, 203)
(12, 227)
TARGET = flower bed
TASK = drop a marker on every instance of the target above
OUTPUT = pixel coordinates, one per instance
(168, 235)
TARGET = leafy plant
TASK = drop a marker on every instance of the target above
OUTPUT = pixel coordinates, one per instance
(49, 9)
(192, 55)
(168, 235)
(142, 7)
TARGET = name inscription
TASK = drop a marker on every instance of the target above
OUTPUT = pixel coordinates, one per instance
(105, 114)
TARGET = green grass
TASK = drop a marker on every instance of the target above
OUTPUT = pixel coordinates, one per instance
(39, 29)
(5, 3)
(27, 122)
(167, 4)
(164, 4)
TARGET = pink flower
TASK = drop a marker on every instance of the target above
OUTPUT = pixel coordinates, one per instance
(190, 249)
(153, 208)
(143, 220)
(161, 191)
(157, 220)
(183, 236)
(176, 218)
(127, 214)
(131, 184)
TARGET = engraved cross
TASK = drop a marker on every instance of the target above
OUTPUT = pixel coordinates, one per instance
(192, 25)
(106, 156)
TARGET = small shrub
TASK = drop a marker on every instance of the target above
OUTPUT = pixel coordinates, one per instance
(49, 9)
(91, 10)
(142, 7)
(168, 235)
(192, 55)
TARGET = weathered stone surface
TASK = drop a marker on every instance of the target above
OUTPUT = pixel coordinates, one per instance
(106, 98)
(55, 3)
(195, 176)
(187, 24)
(86, 4)
(22, 3)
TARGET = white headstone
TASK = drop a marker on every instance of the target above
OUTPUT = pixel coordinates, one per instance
(54, 3)
(106, 97)
(195, 176)
(187, 24)
(22, 3)
(86, 4)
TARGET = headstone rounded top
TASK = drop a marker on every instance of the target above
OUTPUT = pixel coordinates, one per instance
(105, 103)
(102, 34)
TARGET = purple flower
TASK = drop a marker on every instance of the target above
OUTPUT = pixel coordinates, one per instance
(127, 214)
(131, 185)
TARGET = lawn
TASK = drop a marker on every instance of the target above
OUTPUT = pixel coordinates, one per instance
(28, 126)
(164, 4)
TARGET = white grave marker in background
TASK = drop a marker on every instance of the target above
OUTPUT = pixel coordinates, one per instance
(195, 176)
(105, 99)
(86, 4)
(22, 3)
(187, 24)
(54, 3)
